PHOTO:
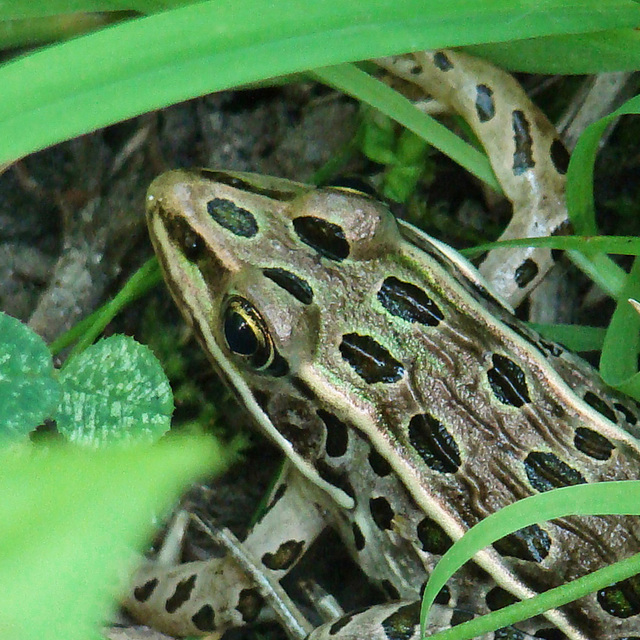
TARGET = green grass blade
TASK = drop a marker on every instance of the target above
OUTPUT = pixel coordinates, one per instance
(621, 245)
(77, 86)
(349, 79)
(545, 601)
(572, 336)
(605, 498)
(614, 50)
(580, 174)
(21, 10)
(619, 353)
(619, 360)
(88, 329)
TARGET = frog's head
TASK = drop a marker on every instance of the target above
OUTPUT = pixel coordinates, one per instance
(273, 275)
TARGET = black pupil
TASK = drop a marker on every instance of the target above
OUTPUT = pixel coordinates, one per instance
(240, 335)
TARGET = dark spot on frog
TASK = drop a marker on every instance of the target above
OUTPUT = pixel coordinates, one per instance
(441, 61)
(523, 153)
(592, 444)
(291, 283)
(241, 222)
(401, 625)
(378, 464)
(381, 512)
(525, 273)
(410, 303)
(485, 107)
(433, 537)
(250, 603)
(181, 594)
(284, 557)
(337, 439)
(143, 593)
(358, 537)
(559, 156)
(529, 543)
(600, 406)
(204, 619)
(508, 382)
(433, 443)
(369, 359)
(546, 471)
(497, 598)
(621, 599)
(327, 238)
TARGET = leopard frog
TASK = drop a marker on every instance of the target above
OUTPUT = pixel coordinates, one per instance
(409, 400)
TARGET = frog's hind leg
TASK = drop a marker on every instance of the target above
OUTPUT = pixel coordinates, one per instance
(400, 620)
(210, 596)
(524, 149)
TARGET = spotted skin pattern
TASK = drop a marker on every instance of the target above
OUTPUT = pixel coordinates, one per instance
(200, 597)
(476, 443)
(406, 420)
(530, 162)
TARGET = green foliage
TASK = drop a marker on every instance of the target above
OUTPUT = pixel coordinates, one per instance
(79, 85)
(576, 338)
(404, 154)
(76, 86)
(69, 520)
(114, 392)
(29, 392)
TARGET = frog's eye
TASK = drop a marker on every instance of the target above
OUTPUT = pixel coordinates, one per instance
(246, 334)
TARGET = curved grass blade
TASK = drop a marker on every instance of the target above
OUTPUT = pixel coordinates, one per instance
(605, 498)
(80, 85)
(349, 79)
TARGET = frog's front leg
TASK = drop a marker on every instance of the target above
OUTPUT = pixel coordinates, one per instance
(206, 596)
